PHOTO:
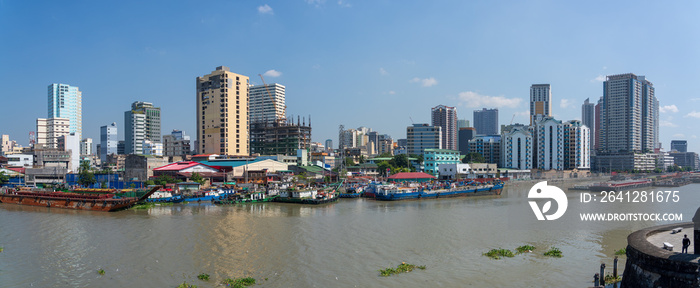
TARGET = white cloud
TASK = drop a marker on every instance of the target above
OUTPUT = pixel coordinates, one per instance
(272, 73)
(693, 114)
(392, 92)
(565, 103)
(316, 3)
(383, 72)
(344, 4)
(679, 135)
(427, 82)
(666, 123)
(600, 78)
(694, 99)
(668, 108)
(316, 66)
(694, 136)
(265, 9)
(473, 99)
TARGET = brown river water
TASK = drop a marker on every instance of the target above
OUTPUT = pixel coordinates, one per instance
(341, 244)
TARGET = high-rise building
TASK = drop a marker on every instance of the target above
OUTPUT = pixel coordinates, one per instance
(629, 121)
(266, 102)
(549, 144)
(488, 146)
(86, 146)
(141, 123)
(577, 146)
(66, 101)
(588, 119)
(463, 136)
(423, 136)
(446, 117)
(222, 113)
(540, 102)
(596, 132)
(462, 123)
(48, 131)
(486, 121)
(517, 147)
(329, 144)
(679, 145)
(108, 141)
(176, 144)
(121, 147)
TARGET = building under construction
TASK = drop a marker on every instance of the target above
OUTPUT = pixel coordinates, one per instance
(280, 137)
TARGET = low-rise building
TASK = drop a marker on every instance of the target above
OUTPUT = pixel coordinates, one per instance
(364, 169)
(140, 167)
(20, 160)
(433, 158)
(468, 171)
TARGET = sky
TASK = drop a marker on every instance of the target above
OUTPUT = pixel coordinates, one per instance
(379, 64)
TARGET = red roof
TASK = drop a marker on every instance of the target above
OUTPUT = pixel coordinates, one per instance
(412, 175)
(17, 169)
(177, 166)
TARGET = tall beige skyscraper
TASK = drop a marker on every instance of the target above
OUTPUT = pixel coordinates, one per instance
(222, 113)
(540, 102)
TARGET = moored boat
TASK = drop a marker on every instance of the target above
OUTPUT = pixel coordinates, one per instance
(71, 200)
(391, 192)
(164, 197)
(306, 196)
(209, 195)
(254, 197)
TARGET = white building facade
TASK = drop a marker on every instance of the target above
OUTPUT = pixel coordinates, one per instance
(266, 102)
(549, 143)
(517, 146)
(577, 145)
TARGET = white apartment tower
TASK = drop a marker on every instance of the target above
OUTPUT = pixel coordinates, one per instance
(549, 143)
(266, 102)
(630, 115)
(577, 145)
(517, 147)
(540, 102)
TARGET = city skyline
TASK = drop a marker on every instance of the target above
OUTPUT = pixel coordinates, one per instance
(401, 74)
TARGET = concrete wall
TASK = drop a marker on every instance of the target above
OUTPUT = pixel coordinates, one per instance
(649, 266)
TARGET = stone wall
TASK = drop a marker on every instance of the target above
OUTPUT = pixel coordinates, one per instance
(649, 266)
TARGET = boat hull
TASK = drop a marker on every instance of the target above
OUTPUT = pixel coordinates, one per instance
(479, 191)
(105, 205)
(305, 201)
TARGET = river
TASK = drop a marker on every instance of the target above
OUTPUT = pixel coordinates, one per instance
(342, 244)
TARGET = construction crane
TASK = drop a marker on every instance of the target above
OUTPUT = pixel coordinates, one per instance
(274, 103)
(511, 119)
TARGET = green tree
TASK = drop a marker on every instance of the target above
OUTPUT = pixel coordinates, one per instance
(382, 166)
(3, 177)
(197, 178)
(149, 182)
(362, 159)
(164, 179)
(473, 157)
(349, 162)
(86, 177)
(400, 160)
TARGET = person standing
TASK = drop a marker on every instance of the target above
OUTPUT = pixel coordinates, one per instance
(686, 243)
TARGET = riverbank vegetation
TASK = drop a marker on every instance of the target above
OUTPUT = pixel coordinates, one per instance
(610, 279)
(402, 268)
(622, 251)
(203, 277)
(101, 271)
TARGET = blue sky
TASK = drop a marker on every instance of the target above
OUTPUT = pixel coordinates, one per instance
(377, 64)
